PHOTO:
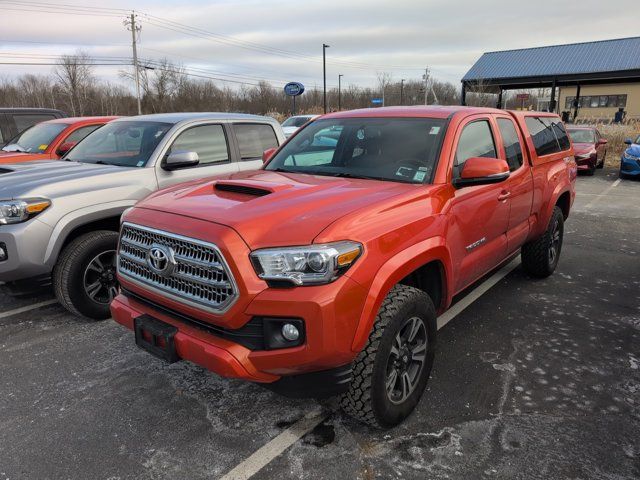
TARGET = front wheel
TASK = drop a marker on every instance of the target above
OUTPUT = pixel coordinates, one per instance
(392, 370)
(84, 278)
(540, 257)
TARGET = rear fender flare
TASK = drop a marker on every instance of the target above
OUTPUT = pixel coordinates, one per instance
(392, 272)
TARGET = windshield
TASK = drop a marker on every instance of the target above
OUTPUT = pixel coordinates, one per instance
(581, 135)
(125, 144)
(394, 149)
(638, 140)
(295, 121)
(35, 139)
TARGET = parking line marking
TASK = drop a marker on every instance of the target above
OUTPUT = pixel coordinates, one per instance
(275, 447)
(476, 293)
(272, 449)
(28, 308)
(604, 193)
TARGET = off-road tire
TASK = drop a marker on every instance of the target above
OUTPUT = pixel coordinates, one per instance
(366, 399)
(535, 254)
(68, 273)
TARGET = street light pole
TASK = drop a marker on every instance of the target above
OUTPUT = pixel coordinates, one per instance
(340, 91)
(324, 75)
(401, 91)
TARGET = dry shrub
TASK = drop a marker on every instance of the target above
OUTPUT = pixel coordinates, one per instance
(615, 135)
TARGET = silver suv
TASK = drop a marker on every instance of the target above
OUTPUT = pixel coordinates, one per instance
(59, 220)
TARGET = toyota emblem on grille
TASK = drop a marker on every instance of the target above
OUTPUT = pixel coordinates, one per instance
(161, 260)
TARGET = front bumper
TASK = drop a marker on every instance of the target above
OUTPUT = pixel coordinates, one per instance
(329, 312)
(629, 167)
(26, 244)
(587, 163)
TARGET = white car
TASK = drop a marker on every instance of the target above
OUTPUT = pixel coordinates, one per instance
(292, 124)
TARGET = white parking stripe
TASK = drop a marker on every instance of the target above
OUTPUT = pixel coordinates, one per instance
(275, 447)
(603, 194)
(28, 308)
(476, 293)
(291, 435)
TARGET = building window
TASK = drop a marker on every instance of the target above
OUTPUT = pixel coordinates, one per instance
(597, 101)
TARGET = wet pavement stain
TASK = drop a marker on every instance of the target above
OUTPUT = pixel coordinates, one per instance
(321, 436)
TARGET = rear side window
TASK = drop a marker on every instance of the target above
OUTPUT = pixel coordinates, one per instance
(80, 133)
(511, 143)
(253, 139)
(548, 135)
(561, 134)
(208, 141)
(476, 140)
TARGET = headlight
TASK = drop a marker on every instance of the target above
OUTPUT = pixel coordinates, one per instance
(20, 210)
(633, 158)
(584, 156)
(310, 265)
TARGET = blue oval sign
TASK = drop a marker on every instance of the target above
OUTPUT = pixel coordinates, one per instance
(293, 89)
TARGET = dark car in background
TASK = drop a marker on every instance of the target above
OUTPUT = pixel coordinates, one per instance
(590, 148)
(16, 120)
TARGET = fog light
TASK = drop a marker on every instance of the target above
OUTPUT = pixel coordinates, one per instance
(290, 332)
(3, 252)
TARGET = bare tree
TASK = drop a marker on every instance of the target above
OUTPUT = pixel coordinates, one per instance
(74, 75)
(384, 79)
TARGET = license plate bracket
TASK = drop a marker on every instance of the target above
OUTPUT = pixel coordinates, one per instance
(156, 337)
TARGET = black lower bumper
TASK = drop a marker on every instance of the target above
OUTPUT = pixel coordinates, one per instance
(323, 384)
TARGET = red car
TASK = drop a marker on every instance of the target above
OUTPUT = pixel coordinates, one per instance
(323, 273)
(590, 148)
(49, 140)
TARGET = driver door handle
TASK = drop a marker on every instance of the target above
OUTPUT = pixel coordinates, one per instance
(505, 194)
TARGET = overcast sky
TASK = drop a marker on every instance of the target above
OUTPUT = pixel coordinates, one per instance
(281, 41)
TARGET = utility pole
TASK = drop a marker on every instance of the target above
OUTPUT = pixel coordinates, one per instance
(324, 75)
(130, 23)
(426, 84)
(401, 91)
(340, 91)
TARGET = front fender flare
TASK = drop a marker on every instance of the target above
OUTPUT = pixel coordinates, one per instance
(392, 272)
(76, 219)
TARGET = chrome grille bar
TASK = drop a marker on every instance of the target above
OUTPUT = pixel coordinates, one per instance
(200, 276)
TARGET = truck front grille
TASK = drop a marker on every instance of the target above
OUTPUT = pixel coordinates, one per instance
(196, 273)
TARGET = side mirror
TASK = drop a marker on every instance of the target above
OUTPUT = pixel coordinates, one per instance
(602, 141)
(268, 153)
(177, 160)
(64, 148)
(628, 141)
(482, 171)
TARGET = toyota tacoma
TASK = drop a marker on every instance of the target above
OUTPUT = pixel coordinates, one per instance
(322, 273)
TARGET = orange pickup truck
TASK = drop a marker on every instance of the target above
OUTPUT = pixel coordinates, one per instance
(322, 273)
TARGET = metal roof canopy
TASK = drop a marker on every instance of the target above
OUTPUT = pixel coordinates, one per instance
(605, 61)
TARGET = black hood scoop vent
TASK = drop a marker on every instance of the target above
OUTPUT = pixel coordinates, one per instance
(242, 189)
(5, 170)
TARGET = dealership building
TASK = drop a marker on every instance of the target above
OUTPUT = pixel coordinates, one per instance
(588, 81)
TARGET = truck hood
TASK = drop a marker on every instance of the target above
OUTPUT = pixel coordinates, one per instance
(272, 209)
(17, 157)
(55, 178)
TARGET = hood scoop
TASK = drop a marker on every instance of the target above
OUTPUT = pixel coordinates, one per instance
(5, 170)
(248, 187)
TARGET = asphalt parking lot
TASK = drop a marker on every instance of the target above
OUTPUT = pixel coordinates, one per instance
(534, 379)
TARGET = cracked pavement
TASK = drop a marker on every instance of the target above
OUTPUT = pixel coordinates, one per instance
(536, 379)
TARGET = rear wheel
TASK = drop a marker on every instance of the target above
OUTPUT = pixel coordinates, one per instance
(540, 257)
(84, 278)
(392, 370)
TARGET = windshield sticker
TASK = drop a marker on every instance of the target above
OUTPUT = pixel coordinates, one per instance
(419, 176)
(43, 147)
(140, 163)
(434, 130)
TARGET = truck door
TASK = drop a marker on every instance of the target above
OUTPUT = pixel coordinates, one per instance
(210, 142)
(478, 224)
(519, 186)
